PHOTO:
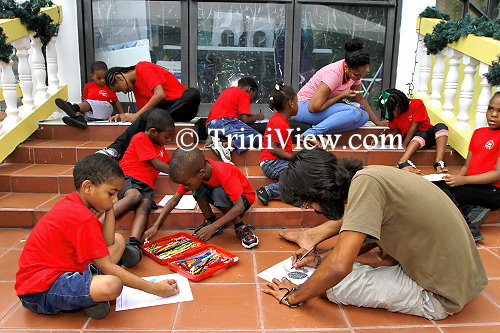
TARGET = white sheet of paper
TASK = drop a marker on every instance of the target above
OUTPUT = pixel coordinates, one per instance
(187, 201)
(278, 271)
(163, 173)
(435, 177)
(131, 298)
(384, 147)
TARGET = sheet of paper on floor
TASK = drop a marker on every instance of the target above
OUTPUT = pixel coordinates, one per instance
(435, 177)
(131, 298)
(282, 269)
(187, 201)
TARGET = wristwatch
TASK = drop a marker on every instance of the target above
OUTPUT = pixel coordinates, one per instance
(284, 299)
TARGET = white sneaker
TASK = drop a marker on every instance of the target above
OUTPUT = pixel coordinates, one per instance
(209, 143)
(222, 152)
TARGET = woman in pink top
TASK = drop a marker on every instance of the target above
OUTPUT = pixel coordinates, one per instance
(321, 99)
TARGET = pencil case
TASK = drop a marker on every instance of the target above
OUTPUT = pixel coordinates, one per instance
(169, 248)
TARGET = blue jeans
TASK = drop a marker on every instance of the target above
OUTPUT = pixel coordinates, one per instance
(273, 169)
(71, 291)
(243, 136)
(337, 118)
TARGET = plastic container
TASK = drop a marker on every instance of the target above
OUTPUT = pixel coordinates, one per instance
(165, 240)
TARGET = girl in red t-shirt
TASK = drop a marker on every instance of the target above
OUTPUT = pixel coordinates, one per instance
(277, 139)
(409, 118)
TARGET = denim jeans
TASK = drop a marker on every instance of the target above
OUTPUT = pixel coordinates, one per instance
(337, 118)
(242, 135)
(71, 291)
(273, 169)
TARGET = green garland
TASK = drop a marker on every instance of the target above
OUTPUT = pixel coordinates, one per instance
(493, 75)
(433, 12)
(29, 14)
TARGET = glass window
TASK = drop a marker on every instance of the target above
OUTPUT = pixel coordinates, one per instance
(454, 8)
(324, 31)
(237, 40)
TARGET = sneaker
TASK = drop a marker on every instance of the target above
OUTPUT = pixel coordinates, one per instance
(98, 311)
(245, 233)
(209, 142)
(262, 195)
(66, 107)
(111, 152)
(133, 253)
(477, 215)
(218, 231)
(77, 121)
(222, 152)
(476, 234)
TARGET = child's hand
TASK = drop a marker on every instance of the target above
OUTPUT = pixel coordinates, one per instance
(453, 181)
(260, 116)
(206, 232)
(150, 233)
(381, 123)
(129, 117)
(166, 288)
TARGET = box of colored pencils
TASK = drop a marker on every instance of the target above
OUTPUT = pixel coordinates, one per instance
(199, 263)
(165, 249)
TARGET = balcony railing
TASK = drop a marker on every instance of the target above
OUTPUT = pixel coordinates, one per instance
(452, 83)
(37, 101)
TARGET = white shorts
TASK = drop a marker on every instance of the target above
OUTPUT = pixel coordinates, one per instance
(386, 287)
(99, 110)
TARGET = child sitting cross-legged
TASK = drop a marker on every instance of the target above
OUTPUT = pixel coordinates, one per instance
(217, 183)
(409, 118)
(69, 261)
(277, 147)
(98, 100)
(144, 158)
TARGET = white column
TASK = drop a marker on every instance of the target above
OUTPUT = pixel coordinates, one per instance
(466, 92)
(22, 46)
(10, 96)
(437, 79)
(451, 84)
(425, 73)
(52, 67)
(484, 97)
(39, 71)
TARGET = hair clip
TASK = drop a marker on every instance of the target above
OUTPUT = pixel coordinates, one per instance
(271, 98)
(277, 86)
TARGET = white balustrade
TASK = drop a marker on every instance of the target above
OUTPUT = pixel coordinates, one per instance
(22, 46)
(9, 88)
(437, 79)
(425, 73)
(466, 92)
(484, 97)
(39, 71)
(52, 67)
(451, 84)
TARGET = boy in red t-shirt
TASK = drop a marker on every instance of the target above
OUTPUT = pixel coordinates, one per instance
(277, 147)
(98, 100)
(153, 87)
(144, 158)
(230, 118)
(217, 183)
(69, 261)
(409, 118)
(475, 189)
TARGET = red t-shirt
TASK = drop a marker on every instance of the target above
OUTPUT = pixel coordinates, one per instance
(276, 131)
(231, 103)
(485, 148)
(95, 92)
(148, 76)
(230, 178)
(416, 112)
(136, 160)
(66, 239)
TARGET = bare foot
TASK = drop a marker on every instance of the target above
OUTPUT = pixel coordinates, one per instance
(298, 237)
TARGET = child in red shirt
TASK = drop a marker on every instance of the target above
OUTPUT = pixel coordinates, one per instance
(476, 187)
(98, 100)
(409, 118)
(217, 183)
(144, 158)
(153, 87)
(230, 117)
(277, 139)
(69, 261)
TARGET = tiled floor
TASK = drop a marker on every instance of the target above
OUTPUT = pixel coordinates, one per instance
(231, 300)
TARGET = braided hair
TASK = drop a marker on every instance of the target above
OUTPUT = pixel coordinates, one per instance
(391, 98)
(280, 95)
(111, 74)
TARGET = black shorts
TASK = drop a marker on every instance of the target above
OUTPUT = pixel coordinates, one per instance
(217, 197)
(146, 191)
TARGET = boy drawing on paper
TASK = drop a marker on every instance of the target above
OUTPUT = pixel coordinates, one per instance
(217, 183)
(69, 261)
(143, 160)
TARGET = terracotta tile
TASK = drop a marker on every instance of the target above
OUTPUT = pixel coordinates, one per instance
(276, 217)
(274, 204)
(310, 315)
(264, 260)
(22, 154)
(98, 144)
(63, 143)
(34, 184)
(472, 329)
(9, 168)
(5, 184)
(10, 237)
(107, 131)
(218, 301)
(43, 132)
(34, 143)
(357, 154)
(8, 262)
(44, 169)
(493, 290)
(24, 200)
(50, 203)
(55, 155)
(63, 132)
(149, 267)
(359, 317)
(16, 218)
(66, 184)
(241, 272)
(493, 218)
(269, 240)
(252, 157)
(478, 310)
(228, 240)
(491, 263)
(8, 299)
(24, 318)
(491, 236)
(83, 152)
(255, 170)
(400, 330)
(310, 219)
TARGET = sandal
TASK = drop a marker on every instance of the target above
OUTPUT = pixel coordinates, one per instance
(408, 163)
(442, 165)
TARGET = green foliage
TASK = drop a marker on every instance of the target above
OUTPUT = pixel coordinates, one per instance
(433, 12)
(493, 75)
(5, 48)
